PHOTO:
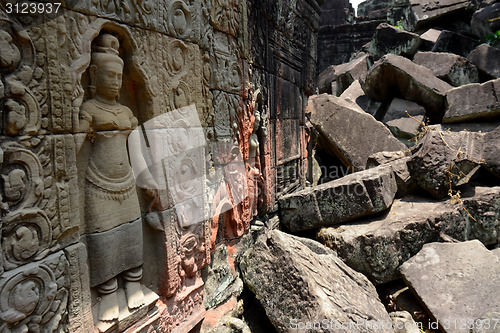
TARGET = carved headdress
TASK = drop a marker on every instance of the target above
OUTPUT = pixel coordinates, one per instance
(104, 50)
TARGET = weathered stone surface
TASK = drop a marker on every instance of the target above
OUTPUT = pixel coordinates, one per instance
(374, 9)
(340, 124)
(428, 10)
(429, 38)
(356, 95)
(491, 152)
(397, 161)
(471, 127)
(496, 252)
(298, 286)
(395, 76)
(377, 246)
(347, 73)
(457, 282)
(484, 21)
(456, 43)
(452, 68)
(473, 102)
(388, 39)
(443, 160)
(361, 193)
(400, 108)
(336, 12)
(485, 58)
(325, 80)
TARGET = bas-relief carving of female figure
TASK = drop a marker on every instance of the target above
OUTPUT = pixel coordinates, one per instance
(112, 212)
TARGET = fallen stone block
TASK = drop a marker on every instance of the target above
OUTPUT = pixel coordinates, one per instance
(429, 38)
(325, 79)
(457, 283)
(377, 246)
(471, 127)
(452, 42)
(428, 10)
(389, 39)
(356, 95)
(394, 76)
(351, 134)
(496, 252)
(349, 72)
(359, 194)
(300, 289)
(397, 161)
(473, 102)
(485, 58)
(404, 119)
(452, 68)
(491, 152)
(485, 20)
(444, 160)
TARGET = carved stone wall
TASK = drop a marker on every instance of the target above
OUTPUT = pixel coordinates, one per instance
(229, 77)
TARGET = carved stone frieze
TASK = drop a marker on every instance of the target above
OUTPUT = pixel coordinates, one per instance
(225, 16)
(177, 18)
(227, 72)
(39, 178)
(20, 109)
(35, 297)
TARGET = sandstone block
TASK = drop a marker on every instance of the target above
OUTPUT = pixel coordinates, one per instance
(349, 72)
(452, 68)
(355, 195)
(341, 124)
(473, 102)
(445, 159)
(356, 95)
(457, 282)
(456, 43)
(388, 39)
(395, 76)
(377, 246)
(485, 58)
(428, 10)
(325, 80)
(484, 21)
(491, 152)
(296, 285)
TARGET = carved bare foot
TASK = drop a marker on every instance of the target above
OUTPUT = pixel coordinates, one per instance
(135, 296)
(108, 307)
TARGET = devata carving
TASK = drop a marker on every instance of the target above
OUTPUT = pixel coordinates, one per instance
(112, 212)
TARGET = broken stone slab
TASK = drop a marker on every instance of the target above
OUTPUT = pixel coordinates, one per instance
(356, 95)
(359, 194)
(325, 79)
(485, 20)
(395, 76)
(341, 125)
(471, 127)
(425, 11)
(342, 76)
(349, 72)
(491, 152)
(403, 322)
(452, 68)
(452, 42)
(429, 38)
(443, 160)
(389, 39)
(485, 58)
(400, 107)
(404, 119)
(377, 246)
(397, 161)
(457, 282)
(473, 102)
(300, 289)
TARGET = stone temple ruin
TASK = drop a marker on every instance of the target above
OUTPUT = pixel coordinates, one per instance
(249, 166)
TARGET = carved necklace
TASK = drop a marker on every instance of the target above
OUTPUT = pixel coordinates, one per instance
(114, 109)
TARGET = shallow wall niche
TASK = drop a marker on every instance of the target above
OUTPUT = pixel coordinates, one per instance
(111, 213)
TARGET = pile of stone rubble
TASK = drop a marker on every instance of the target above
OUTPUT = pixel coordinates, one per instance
(415, 120)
